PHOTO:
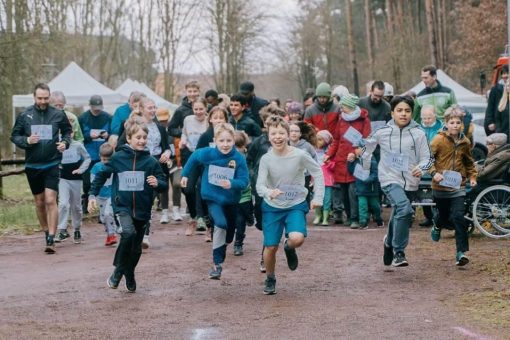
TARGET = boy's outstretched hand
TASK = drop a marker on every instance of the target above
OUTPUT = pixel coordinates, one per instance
(152, 181)
(92, 205)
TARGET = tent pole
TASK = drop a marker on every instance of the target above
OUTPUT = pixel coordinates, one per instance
(14, 121)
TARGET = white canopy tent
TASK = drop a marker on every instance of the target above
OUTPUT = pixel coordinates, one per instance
(474, 102)
(129, 86)
(78, 86)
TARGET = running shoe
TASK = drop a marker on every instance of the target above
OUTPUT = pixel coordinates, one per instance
(461, 259)
(388, 253)
(145, 243)
(291, 255)
(130, 283)
(262, 267)
(201, 225)
(77, 237)
(435, 234)
(215, 272)
(61, 236)
(238, 250)
(399, 260)
(270, 286)
(50, 245)
(114, 280)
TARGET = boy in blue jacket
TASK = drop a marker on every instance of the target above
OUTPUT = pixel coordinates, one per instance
(225, 176)
(135, 175)
(367, 190)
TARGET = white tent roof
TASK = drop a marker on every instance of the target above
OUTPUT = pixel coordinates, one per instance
(78, 86)
(474, 102)
(129, 86)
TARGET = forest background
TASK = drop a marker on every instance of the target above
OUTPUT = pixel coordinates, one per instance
(285, 47)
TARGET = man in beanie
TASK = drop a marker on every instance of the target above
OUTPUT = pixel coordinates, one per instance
(323, 113)
(353, 125)
(498, 157)
(253, 103)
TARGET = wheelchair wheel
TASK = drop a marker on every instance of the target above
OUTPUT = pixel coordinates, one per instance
(491, 211)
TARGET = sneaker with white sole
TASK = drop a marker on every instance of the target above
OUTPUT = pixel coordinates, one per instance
(461, 259)
(145, 243)
(61, 236)
(176, 215)
(215, 272)
(201, 224)
(270, 286)
(164, 217)
(399, 260)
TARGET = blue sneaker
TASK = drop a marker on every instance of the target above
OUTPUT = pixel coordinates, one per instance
(435, 234)
(461, 259)
(215, 272)
(270, 286)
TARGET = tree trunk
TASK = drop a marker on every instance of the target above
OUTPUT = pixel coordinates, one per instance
(368, 26)
(429, 11)
(352, 50)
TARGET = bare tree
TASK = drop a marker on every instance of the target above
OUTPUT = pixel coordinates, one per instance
(352, 48)
(429, 10)
(369, 33)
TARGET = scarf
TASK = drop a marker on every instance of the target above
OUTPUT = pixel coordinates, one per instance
(352, 116)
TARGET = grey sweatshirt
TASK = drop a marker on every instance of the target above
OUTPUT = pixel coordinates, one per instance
(287, 174)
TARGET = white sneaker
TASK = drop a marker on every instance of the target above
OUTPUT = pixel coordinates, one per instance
(145, 243)
(164, 217)
(176, 215)
(183, 211)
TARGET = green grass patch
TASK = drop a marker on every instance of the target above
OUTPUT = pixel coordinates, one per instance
(17, 210)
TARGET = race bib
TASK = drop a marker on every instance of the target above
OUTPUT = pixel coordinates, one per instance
(131, 181)
(218, 173)
(398, 161)
(361, 173)
(70, 156)
(451, 179)
(353, 136)
(291, 192)
(43, 131)
(376, 125)
(97, 131)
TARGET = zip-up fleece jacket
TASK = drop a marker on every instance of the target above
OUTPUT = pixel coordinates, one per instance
(450, 154)
(89, 122)
(246, 124)
(45, 152)
(410, 141)
(177, 122)
(136, 203)
(212, 156)
(323, 117)
(441, 97)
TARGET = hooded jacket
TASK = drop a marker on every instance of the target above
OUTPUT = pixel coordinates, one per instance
(441, 97)
(409, 141)
(432, 131)
(246, 124)
(341, 147)
(450, 154)
(212, 156)
(323, 117)
(176, 123)
(136, 203)
(45, 152)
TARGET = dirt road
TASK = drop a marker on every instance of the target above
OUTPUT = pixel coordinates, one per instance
(340, 290)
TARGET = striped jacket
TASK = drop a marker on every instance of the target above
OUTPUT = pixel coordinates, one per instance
(441, 97)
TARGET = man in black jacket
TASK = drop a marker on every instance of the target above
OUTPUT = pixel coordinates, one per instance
(496, 121)
(44, 132)
(253, 103)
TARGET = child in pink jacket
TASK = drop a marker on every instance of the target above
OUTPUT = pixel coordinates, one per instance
(324, 139)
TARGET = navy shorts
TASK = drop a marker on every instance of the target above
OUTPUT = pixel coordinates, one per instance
(40, 179)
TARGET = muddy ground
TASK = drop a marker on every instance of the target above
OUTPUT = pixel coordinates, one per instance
(340, 290)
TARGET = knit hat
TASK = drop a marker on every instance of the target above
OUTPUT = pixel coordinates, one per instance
(325, 135)
(323, 90)
(295, 107)
(349, 100)
(497, 139)
(388, 90)
(163, 114)
(340, 91)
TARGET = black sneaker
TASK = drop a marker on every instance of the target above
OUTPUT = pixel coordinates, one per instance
(50, 245)
(77, 237)
(130, 283)
(388, 253)
(114, 280)
(215, 272)
(399, 260)
(61, 236)
(238, 250)
(270, 287)
(292, 259)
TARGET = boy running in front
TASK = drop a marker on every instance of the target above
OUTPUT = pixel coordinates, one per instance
(281, 183)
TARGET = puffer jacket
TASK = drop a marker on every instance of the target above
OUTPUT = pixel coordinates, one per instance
(496, 164)
(323, 117)
(450, 154)
(341, 147)
(410, 141)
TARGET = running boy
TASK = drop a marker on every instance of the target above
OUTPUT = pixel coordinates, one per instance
(405, 156)
(75, 161)
(281, 182)
(225, 176)
(453, 166)
(135, 175)
(104, 199)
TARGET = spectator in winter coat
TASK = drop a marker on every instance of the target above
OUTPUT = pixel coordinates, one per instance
(323, 113)
(498, 158)
(253, 103)
(496, 93)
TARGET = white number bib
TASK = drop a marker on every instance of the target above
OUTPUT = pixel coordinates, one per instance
(451, 179)
(218, 173)
(43, 131)
(361, 173)
(70, 156)
(97, 132)
(353, 136)
(398, 161)
(290, 192)
(131, 181)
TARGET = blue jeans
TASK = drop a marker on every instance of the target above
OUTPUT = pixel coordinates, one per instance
(401, 216)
